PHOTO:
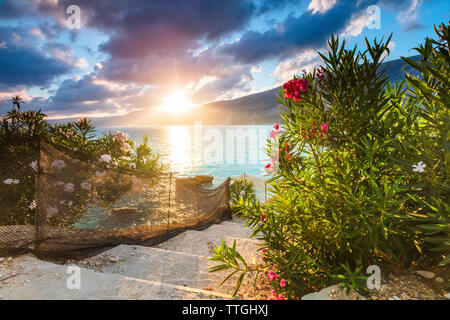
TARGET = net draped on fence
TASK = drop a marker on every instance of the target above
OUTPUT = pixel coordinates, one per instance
(57, 205)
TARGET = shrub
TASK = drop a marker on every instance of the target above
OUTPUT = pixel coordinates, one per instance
(19, 133)
(242, 188)
(349, 189)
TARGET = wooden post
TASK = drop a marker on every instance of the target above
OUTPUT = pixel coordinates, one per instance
(198, 207)
(37, 185)
(265, 192)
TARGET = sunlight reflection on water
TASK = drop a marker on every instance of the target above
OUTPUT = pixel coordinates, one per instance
(176, 146)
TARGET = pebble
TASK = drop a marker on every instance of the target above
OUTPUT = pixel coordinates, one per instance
(439, 279)
(426, 274)
(114, 259)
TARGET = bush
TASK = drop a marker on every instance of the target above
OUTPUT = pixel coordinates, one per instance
(19, 133)
(362, 172)
(242, 188)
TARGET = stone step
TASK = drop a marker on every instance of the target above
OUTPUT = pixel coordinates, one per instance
(164, 266)
(200, 242)
(37, 279)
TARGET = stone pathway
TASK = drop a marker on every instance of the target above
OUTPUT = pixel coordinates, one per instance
(176, 269)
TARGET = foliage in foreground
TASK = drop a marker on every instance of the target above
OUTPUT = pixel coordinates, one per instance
(362, 176)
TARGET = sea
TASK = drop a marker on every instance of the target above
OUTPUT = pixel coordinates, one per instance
(219, 151)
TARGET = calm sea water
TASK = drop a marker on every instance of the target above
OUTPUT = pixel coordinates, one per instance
(220, 151)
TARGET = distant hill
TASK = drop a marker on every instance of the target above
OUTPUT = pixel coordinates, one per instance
(258, 108)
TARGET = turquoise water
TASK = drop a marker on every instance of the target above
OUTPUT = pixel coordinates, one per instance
(220, 151)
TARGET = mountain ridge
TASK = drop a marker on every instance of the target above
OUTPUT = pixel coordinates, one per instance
(256, 108)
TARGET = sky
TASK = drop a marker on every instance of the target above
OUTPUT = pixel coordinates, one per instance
(131, 55)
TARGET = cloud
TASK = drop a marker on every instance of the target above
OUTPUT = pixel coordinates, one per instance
(307, 31)
(321, 6)
(286, 69)
(153, 48)
(25, 65)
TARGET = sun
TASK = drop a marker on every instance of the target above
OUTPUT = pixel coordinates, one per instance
(176, 103)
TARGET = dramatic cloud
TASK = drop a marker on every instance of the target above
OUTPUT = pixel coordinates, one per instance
(147, 49)
(22, 64)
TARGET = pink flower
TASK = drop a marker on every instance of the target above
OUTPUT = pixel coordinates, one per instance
(280, 296)
(126, 147)
(268, 167)
(263, 251)
(274, 134)
(271, 275)
(294, 88)
(282, 283)
(262, 217)
(276, 126)
(324, 127)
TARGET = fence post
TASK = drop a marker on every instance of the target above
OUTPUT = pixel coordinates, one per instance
(198, 207)
(265, 192)
(170, 189)
(37, 185)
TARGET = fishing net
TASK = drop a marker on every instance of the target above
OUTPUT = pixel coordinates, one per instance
(52, 203)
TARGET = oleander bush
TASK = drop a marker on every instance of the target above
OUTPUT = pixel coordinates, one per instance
(362, 176)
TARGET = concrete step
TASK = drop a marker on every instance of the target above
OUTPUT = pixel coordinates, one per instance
(37, 279)
(163, 266)
(200, 242)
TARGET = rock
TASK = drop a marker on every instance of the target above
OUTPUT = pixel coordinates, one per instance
(2, 259)
(335, 292)
(439, 279)
(114, 259)
(426, 274)
(447, 295)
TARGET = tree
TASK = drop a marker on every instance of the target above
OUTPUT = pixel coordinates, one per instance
(16, 101)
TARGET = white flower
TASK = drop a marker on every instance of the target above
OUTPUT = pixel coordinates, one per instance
(86, 186)
(419, 167)
(133, 165)
(32, 205)
(125, 158)
(58, 164)
(105, 158)
(242, 193)
(52, 211)
(70, 203)
(69, 187)
(11, 181)
(34, 166)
